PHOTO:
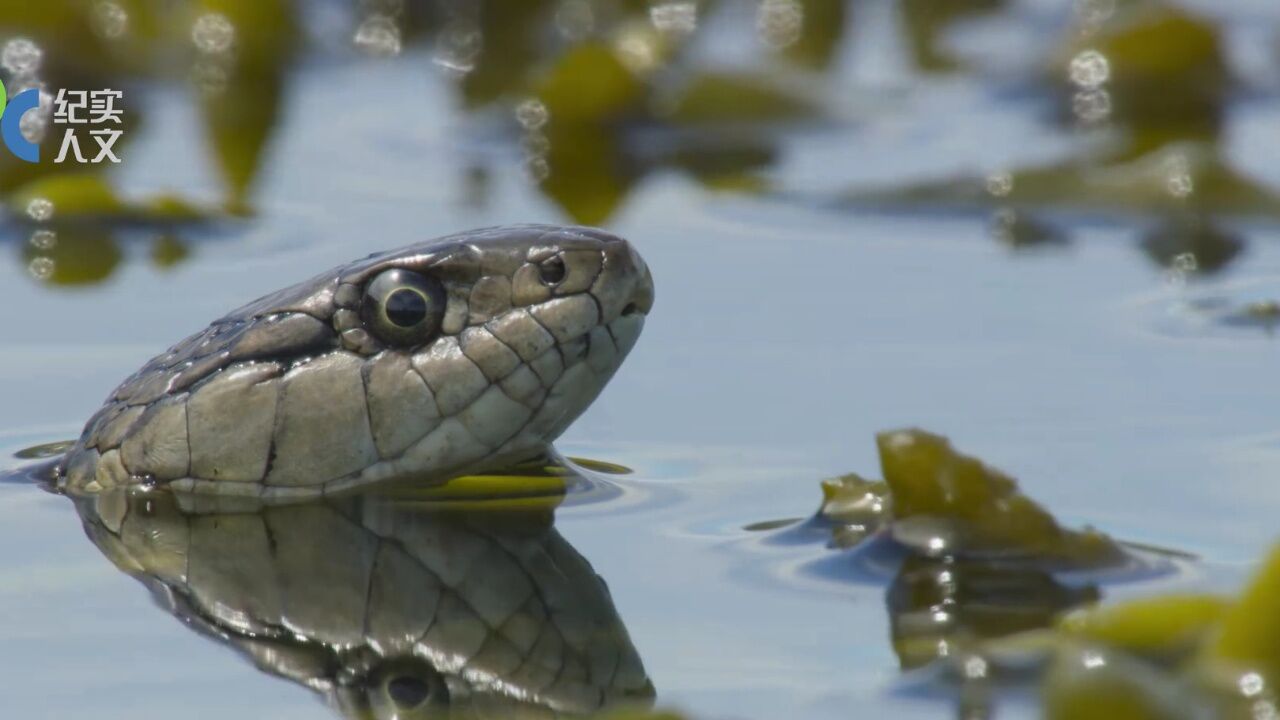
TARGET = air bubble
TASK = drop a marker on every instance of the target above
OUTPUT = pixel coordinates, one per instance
(779, 22)
(43, 239)
(379, 36)
(110, 20)
(674, 18)
(41, 268)
(213, 34)
(21, 56)
(532, 114)
(1089, 70)
(40, 209)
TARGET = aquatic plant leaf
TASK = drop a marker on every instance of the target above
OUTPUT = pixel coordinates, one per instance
(1165, 71)
(498, 57)
(1248, 639)
(168, 251)
(75, 196)
(586, 173)
(71, 194)
(822, 25)
(979, 507)
(724, 97)
(856, 507)
(1210, 247)
(1087, 682)
(78, 255)
(941, 606)
(1178, 179)
(241, 87)
(589, 84)
(1161, 627)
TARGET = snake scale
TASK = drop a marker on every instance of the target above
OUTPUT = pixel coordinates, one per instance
(456, 355)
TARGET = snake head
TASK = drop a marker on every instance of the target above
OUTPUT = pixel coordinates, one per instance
(460, 354)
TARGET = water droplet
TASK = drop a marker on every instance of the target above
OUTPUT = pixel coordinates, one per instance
(1251, 684)
(536, 169)
(379, 36)
(210, 77)
(1091, 106)
(213, 34)
(44, 239)
(21, 56)
(1178, 180)
(1092, 659)
(110, 20)
(458, 46)
(535, 143)
(674, 18)
(975, 668)
(532, 114)
(1089, 70)
(779, 22)
(1182, 266)
(1000, 184)
(41, 268)
(40, 209)
(1094, 14)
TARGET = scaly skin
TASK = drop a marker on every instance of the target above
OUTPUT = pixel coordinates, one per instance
(384, 607)
(295, 395)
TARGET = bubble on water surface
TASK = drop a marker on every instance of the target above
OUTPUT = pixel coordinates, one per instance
(40, 209)
(43, 239)
(458, 46)
(1089, 70)
(674, 18)
(1000, 184)
(21, 56)
(110, 20)
(779, 22)
(1178, 180)
(41, 268)
(379, 36)
(1091, 106)
(213, 34)
(532, 114)
(537, 169)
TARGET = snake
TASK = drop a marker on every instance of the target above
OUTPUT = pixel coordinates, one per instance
(456, 355)
(385, 608)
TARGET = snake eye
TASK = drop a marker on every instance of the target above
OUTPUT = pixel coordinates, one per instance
(552, 271)
(402, 307)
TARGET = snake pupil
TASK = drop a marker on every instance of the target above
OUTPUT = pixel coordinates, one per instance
(406, 308)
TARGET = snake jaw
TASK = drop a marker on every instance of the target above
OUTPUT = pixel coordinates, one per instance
(292, 396)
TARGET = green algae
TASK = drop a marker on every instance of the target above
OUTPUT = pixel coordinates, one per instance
(938, 501)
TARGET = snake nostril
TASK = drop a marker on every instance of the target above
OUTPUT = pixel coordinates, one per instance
(630, 309)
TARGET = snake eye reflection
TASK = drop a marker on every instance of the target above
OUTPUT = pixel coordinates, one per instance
(552, 271)
(408, 691)
(406, 307)
(402, 307)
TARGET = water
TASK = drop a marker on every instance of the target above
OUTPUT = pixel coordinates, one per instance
(788, 329)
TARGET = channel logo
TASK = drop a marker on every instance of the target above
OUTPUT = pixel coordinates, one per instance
(11, 112)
